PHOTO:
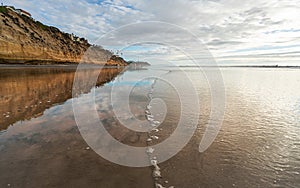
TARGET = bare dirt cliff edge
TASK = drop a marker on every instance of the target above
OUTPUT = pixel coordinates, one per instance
(26, 41)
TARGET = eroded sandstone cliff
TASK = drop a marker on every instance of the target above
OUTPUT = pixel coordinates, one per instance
(24, 40)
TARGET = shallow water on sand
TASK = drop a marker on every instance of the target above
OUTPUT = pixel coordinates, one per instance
(258, 144)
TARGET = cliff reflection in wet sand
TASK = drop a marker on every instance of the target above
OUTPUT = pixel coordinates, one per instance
(28, 93)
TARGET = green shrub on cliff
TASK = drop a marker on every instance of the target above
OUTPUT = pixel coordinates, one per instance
(41, 25)
(3, 9)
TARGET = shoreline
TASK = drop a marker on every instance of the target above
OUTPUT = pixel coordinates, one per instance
(245, 66)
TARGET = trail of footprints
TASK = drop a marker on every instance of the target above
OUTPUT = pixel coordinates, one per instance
(156, 173)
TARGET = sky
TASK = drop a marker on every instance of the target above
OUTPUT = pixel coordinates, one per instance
(227, 31)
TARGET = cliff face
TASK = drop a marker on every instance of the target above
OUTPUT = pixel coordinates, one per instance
(24, 40)
(116, 60)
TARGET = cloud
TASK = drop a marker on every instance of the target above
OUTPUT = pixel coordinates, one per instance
(226, 27)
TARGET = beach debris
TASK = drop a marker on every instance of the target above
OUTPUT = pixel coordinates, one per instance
(150, 116)
(156, 171)
(157, 185)
(156, 174)
(48, 101)
(153, 125)
(154, 137)
(40, 102)
(150, 150)
(8, 185)
(7, 116)
(166, 181)
(87, 148)
(156, 122)
(154, 163)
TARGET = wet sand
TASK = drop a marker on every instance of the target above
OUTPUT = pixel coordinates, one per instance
(42, 147)
(258, 145)
(55, 155)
